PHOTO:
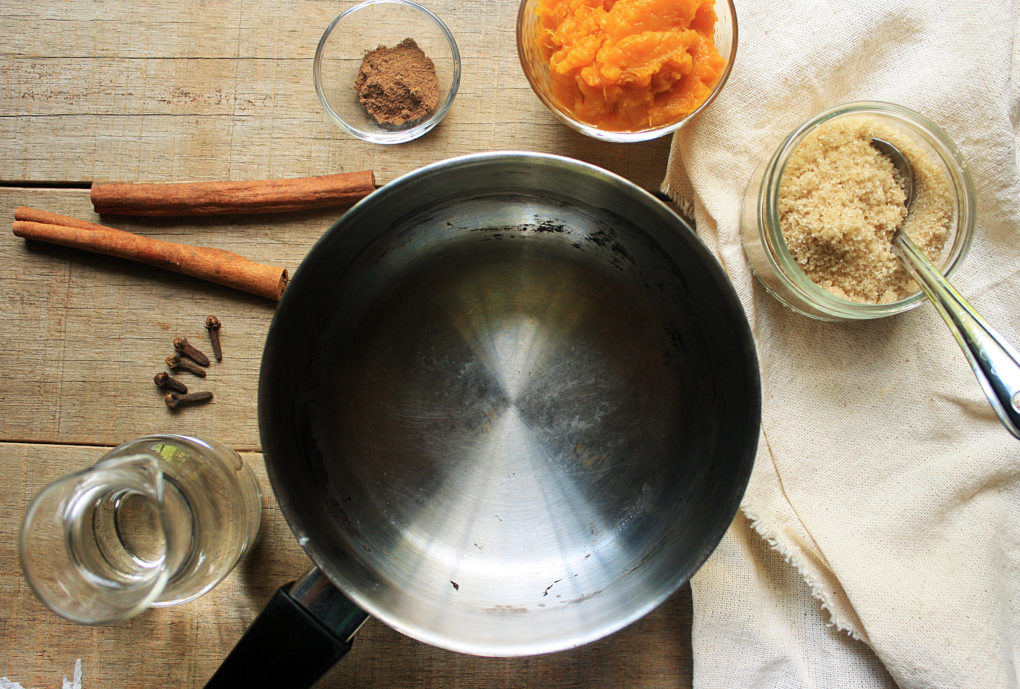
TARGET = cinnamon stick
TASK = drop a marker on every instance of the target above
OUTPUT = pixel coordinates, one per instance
(206, 263)
(221, 198)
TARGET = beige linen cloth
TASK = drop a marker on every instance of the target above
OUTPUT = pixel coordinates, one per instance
(879, 539)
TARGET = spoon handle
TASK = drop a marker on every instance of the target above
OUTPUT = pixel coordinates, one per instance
(994, 360)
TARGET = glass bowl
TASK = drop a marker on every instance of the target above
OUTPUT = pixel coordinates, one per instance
(536, 69)
(766, 249)
(364, 28)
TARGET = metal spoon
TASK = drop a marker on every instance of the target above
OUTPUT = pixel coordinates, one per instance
(995, 361)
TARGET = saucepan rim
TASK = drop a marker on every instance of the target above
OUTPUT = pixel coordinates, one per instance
(295, 516)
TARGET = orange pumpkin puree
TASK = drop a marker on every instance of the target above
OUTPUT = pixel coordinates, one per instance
(624, 65)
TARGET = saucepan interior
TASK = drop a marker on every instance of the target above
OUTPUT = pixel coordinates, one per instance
(509, 403)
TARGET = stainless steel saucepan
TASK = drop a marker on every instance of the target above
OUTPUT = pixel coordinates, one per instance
(509, 404)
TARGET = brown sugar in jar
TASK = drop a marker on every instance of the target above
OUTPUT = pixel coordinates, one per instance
(840, 203)
(398, 85)
(844, 269)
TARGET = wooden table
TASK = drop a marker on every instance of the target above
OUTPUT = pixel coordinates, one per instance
(201, 90)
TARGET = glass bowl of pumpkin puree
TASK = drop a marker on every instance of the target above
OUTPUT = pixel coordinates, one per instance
(626, 70)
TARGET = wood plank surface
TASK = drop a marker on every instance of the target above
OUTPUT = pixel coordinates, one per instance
(182, 646)
(199, 90)
(86, 333)
(180, 91)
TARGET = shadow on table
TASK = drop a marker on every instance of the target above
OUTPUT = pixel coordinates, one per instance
(653, 156)
(653, 652)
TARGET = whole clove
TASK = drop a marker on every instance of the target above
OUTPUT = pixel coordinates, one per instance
(185, 348)
(179, 363)
(174, 400)
(167, 382)
(212, 324)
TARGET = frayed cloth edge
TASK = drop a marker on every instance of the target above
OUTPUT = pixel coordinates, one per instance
(790, 556)
(683, 203)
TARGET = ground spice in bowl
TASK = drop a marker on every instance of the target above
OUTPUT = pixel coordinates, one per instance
(840, 202)
(398, 85)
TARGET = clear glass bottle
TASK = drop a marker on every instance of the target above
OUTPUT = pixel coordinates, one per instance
(156, 521)
(762, 237)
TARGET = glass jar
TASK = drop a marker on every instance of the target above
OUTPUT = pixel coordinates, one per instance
(156, 521)
(762, 237)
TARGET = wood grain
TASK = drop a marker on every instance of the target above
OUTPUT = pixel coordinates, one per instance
(86, 333)
(192, 90)
(197, 91)
(183, 645)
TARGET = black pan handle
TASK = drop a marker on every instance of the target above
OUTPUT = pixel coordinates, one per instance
(303, 631)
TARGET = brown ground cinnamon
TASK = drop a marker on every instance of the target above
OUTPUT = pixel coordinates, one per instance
(206, 263)
(398, 86)
(236, 198)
